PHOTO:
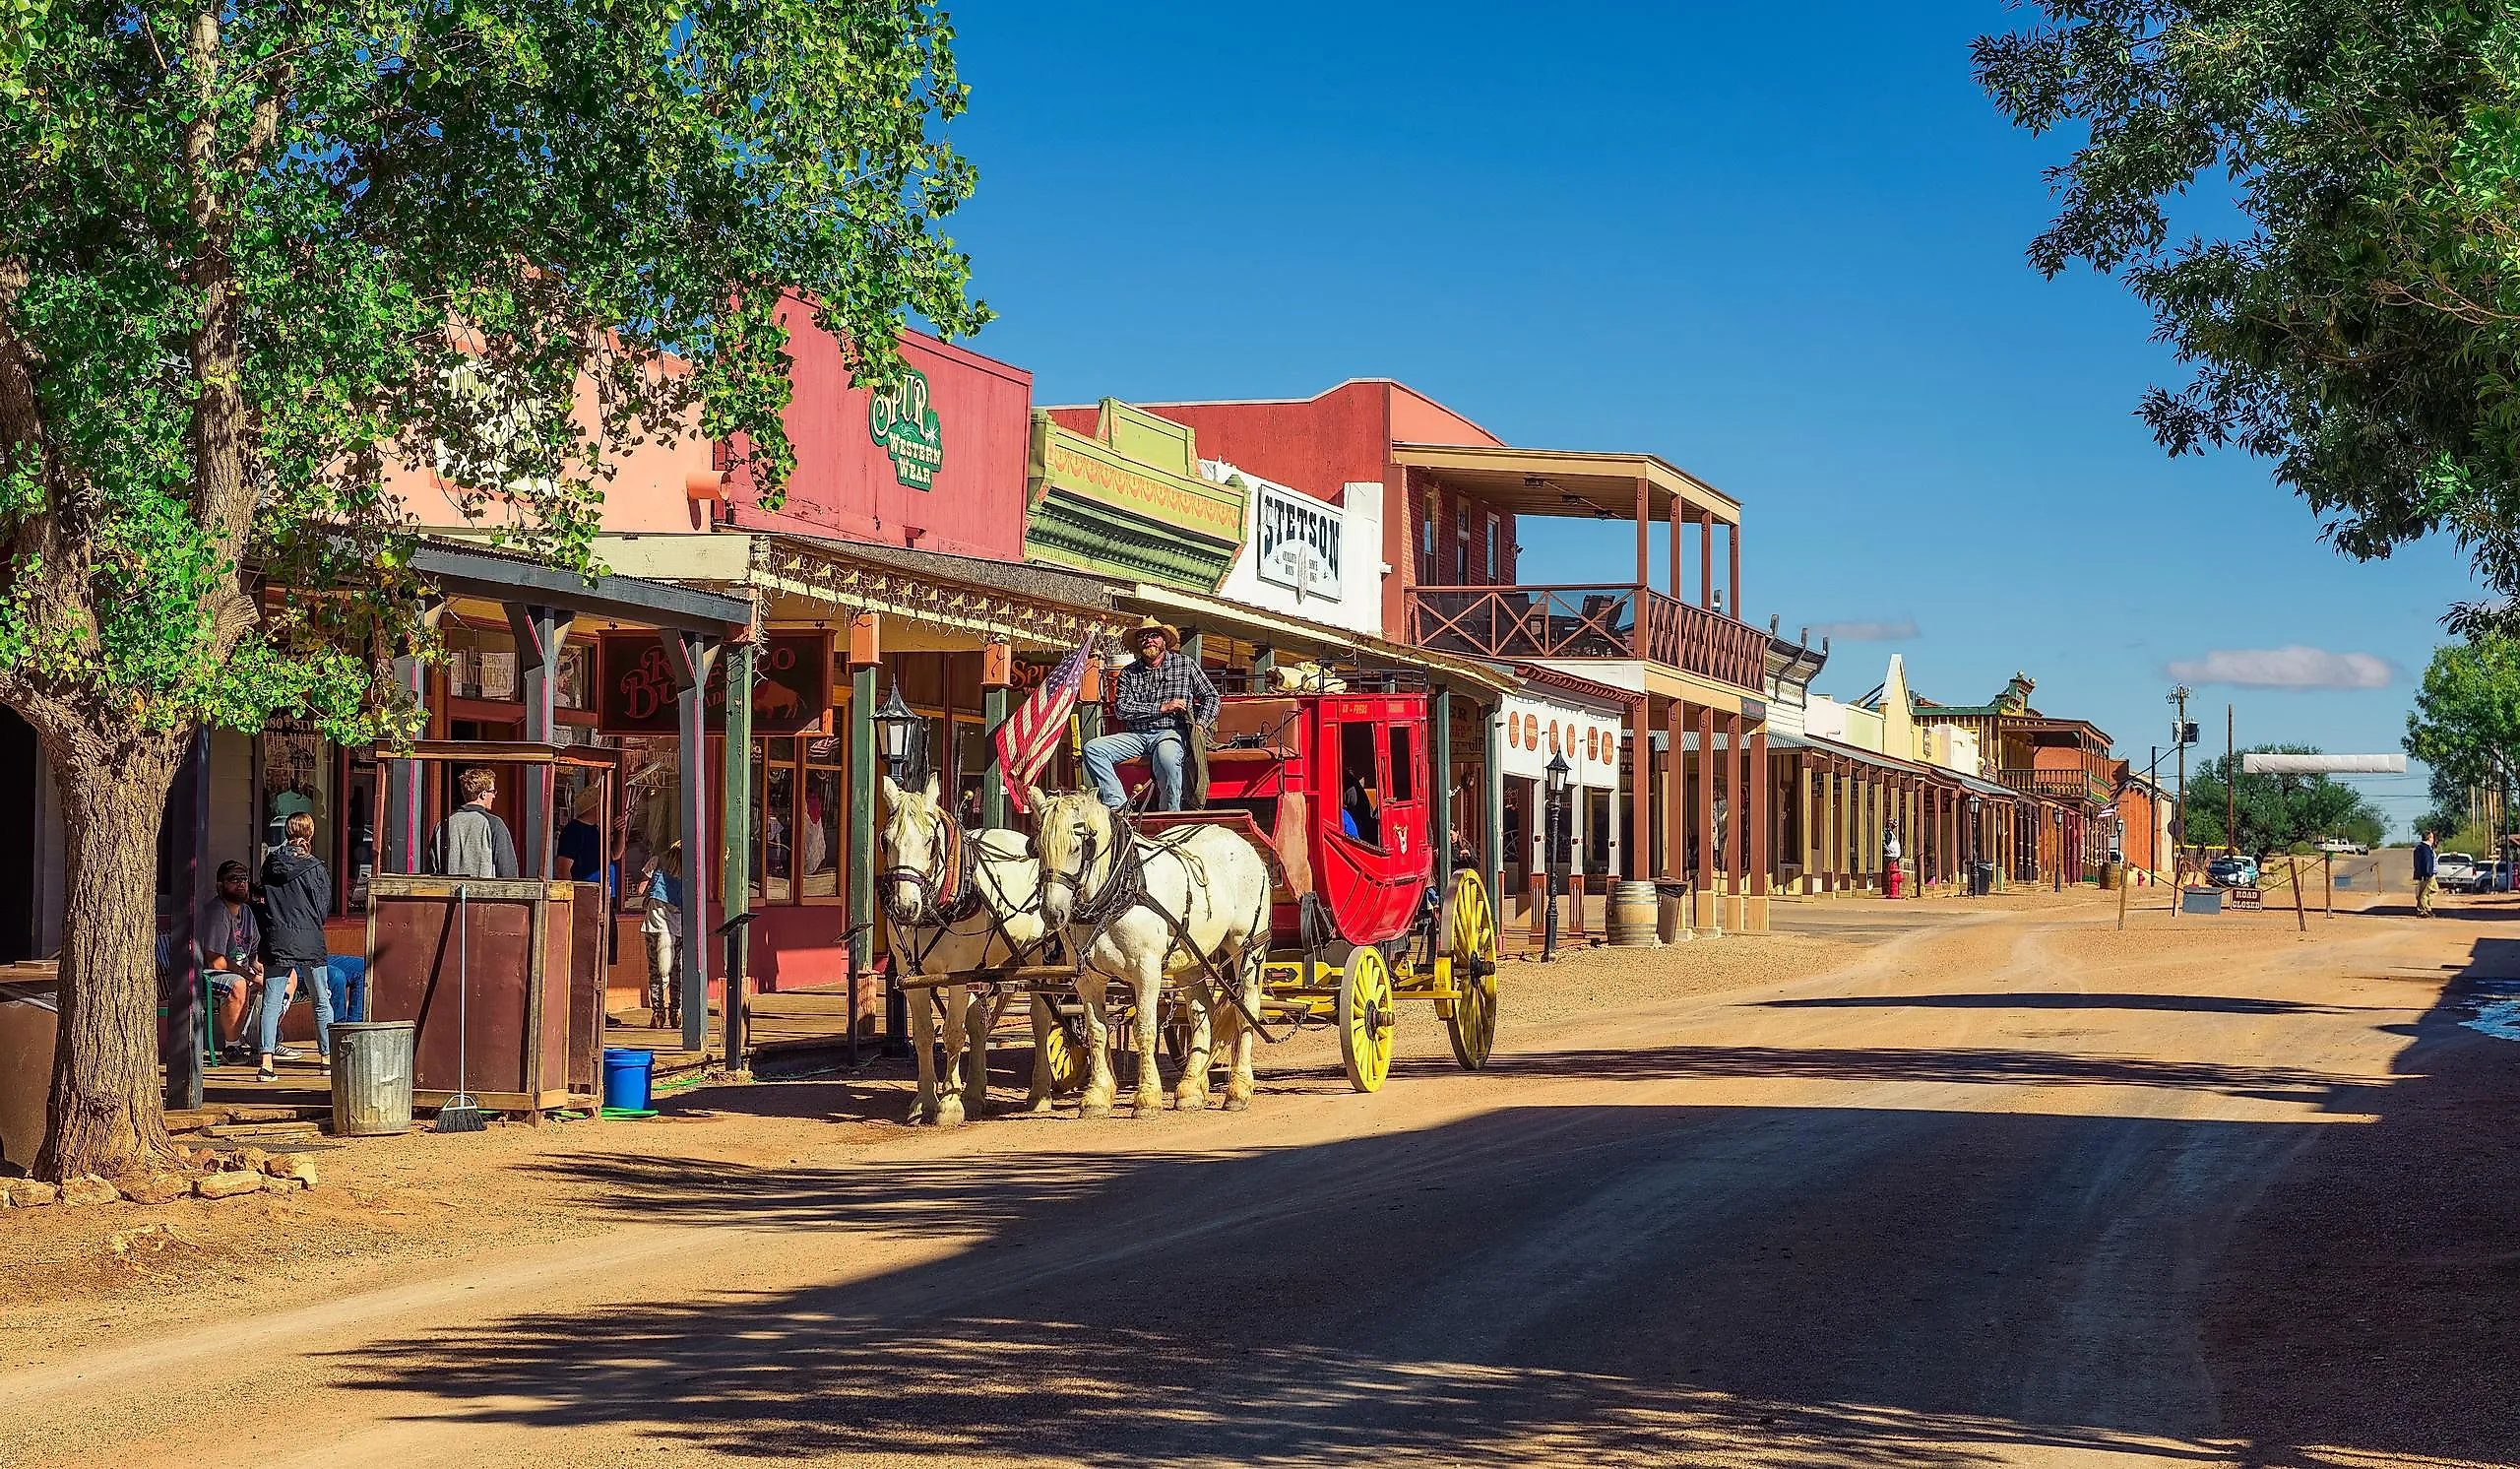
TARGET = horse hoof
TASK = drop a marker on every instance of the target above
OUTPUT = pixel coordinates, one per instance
(1042, 1106)
(1149, 1104)
(1189, 1101)
(1092, 1110)
(1237, 1104)
(949, 1116)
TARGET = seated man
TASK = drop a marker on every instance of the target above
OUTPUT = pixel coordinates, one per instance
(1158, 700)
(231, 950)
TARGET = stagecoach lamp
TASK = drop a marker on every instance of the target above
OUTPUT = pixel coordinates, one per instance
(895, 727)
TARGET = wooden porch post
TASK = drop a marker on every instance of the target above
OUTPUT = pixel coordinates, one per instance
(1706, 561)
(1675, 796)
(1491, 776)
(688, 660)
(1439, 778)
(1737, 800)
(1702, 821)
(1733, 582)
(735, 876)
(1640, 793)
(865, 651)
(539, 631)
(1762, 798)
(1645, 547)
(998, 676)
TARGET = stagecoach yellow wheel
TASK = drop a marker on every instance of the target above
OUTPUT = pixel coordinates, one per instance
(1063, 1053)
(1366, 1018)
(1470, 940)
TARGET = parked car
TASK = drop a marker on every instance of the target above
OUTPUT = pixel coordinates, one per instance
(2454, 870)
(2340, 847)
(2484, 877)
(2234, 871)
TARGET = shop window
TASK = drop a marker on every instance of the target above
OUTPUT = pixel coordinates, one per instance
(797, 813)
(1495, 550)
(1359, 784)
(1403, 774)
(1461, 548)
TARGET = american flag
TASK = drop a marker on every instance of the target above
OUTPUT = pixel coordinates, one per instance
(1031, 735)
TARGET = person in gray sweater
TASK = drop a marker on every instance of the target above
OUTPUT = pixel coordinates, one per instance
(474, 842)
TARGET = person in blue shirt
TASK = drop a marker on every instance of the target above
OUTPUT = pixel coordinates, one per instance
(660, 925)
(2427, 865)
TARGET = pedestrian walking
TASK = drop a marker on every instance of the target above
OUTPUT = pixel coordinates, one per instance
(2427, 864)
(661, 926)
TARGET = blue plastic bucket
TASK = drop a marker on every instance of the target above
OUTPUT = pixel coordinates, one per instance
(627, 1075)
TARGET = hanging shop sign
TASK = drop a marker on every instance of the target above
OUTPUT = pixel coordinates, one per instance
(791, 695)
(1300, 542)
(904, 424)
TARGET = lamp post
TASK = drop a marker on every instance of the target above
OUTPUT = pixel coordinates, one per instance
(897, 729)
(1554, 838)
(1976, 833)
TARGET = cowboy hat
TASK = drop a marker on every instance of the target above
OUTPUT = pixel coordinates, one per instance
(1171, 634)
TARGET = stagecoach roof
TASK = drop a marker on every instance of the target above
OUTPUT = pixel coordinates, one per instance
(1301, 637)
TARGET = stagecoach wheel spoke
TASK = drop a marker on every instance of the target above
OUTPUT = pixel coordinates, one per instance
(1472, 936)
(1063, 1054)
(1366, 1018)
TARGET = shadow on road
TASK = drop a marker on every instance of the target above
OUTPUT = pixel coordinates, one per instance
(1790, 1287)
(2031, 999)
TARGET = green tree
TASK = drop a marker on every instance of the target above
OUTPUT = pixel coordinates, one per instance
(258, 250)
(2357, 320)
(2277, 810)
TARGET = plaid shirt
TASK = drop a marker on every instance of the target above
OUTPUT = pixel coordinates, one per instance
(1143, 690)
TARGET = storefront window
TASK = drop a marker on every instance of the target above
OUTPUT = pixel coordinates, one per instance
(650, 804)
(796, 819)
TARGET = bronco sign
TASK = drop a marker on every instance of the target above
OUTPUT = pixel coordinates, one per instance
(790, 695)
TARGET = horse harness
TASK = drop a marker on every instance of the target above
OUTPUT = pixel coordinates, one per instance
(1125, 890)
(952, 896)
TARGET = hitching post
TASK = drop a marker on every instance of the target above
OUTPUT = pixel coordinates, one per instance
(735, 899)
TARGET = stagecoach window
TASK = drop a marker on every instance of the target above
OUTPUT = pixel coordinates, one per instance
(1403, 774)
(1359, 785)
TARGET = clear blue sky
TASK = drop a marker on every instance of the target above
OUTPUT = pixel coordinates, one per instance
(1781, 249)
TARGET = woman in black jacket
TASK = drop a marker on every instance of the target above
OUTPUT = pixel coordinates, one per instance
(297, 893)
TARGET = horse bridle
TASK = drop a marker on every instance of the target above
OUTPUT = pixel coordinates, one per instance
(949, 891)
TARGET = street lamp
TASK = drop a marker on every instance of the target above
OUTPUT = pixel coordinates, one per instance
(1976, 823)
(1557, 771)
(897, 729)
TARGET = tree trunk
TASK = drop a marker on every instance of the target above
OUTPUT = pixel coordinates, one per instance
(107, 1113)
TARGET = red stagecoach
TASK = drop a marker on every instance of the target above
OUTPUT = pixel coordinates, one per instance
(1334, 788)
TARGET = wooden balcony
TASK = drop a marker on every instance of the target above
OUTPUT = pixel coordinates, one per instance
(1519, 624)
(2061, 785)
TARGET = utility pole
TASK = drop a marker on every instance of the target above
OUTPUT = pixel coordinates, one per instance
(2178, 802)
(2231, 784)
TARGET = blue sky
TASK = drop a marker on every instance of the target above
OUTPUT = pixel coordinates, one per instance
(1784, 254)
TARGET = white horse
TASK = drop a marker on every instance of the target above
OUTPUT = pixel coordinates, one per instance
(959, 902)
(1106, 887)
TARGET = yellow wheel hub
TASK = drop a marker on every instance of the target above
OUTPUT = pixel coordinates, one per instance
(1471, 944)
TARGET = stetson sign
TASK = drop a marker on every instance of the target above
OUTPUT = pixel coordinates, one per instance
(791, 695)
(904, 425)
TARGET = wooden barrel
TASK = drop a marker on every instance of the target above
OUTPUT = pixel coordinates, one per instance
(1633, 911)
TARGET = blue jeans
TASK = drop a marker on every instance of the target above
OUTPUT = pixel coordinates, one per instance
(345, 979)
(314, 983)
(1165, 754)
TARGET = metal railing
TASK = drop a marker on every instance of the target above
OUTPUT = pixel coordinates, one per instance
(1587, 621)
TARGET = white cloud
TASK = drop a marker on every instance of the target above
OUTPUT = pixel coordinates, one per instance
(2294, 666)
(1883, 630)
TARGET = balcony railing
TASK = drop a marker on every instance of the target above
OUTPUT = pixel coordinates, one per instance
(2065, 785)
(1598, 621)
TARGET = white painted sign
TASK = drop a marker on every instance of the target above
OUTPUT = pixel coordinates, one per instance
(1538, 727)
(1299, 542)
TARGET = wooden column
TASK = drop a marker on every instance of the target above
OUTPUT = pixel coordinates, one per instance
(1491, 850)
(1679, 522)
(1706, 561)
(997, 675)
(1644, 547)
(1640, 793)
(407, 786)
(539, 631)
(1702, 820)
(1675, 864)
(735, 872)
(1762, 796)
(1737, 800)
(865, 651)
(1439, 783)
(689, 658)
(1733, 582)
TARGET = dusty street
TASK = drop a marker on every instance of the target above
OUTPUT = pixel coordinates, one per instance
(1959, 1187)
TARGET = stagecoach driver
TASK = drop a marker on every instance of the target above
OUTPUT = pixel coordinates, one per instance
(1158, 700)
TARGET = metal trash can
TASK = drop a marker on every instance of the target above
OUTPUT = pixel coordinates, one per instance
(1671, 916)
(372, 1078)
(1981, 879)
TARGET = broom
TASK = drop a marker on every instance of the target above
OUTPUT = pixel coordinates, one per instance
(459, 1114)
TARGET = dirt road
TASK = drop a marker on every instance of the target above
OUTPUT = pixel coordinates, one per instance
(1999, 1188)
